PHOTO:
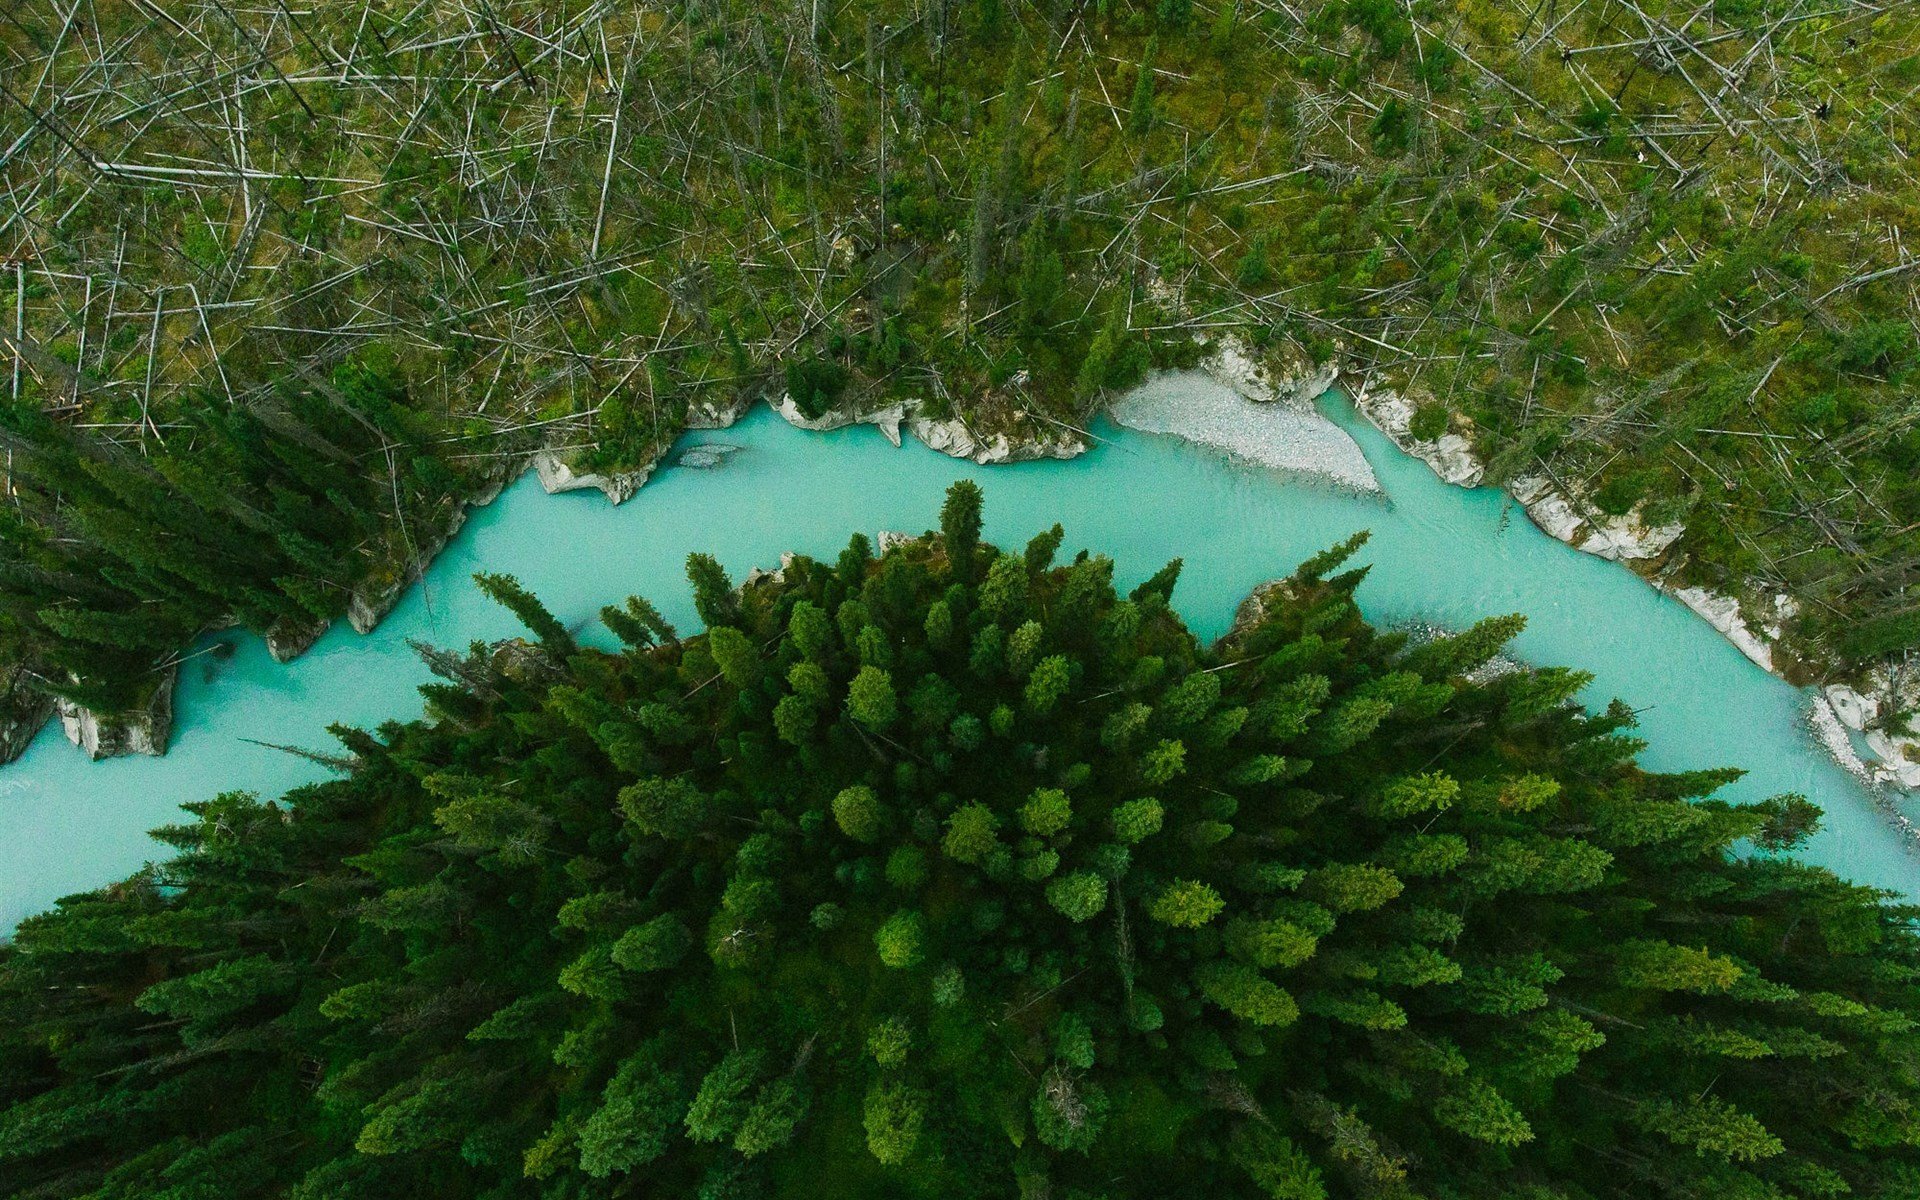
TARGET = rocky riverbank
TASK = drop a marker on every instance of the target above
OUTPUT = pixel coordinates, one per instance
(374, 599)
(951, 436)
(144, 730)
(23, 710)
(1567, 516)
(1256, 406)
(556, 476)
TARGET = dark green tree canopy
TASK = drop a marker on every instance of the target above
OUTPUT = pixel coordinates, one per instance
(271, 513)
(974, 879)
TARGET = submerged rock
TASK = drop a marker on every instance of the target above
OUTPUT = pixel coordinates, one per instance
(143, 730)
(705, 457)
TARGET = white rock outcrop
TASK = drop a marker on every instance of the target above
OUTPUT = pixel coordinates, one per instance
(707, 414)
(1550, 510)
(1302, 383)
(1723, 613)
(1883, 690)
(1450, 455)
(1231, 361)
(1895, 765)
(887, 417)
(1622, 539)
(951, 437)
(556, 476)
(1617, 539)
(142, 731)
(1850, 708)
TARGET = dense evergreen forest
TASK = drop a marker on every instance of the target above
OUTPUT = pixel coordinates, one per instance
(284, 282)
(954, 873)
(269, 513)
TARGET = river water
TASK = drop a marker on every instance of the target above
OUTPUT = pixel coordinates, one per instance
(1440, 554)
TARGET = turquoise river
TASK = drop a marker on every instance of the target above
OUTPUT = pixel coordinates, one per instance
(1440, 554)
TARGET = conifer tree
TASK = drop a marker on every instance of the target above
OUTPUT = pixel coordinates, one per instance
(1140, 112)
(960, 527)
(506, 590)
(713, 596)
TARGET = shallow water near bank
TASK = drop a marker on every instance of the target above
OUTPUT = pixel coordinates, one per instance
(1440, 554)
